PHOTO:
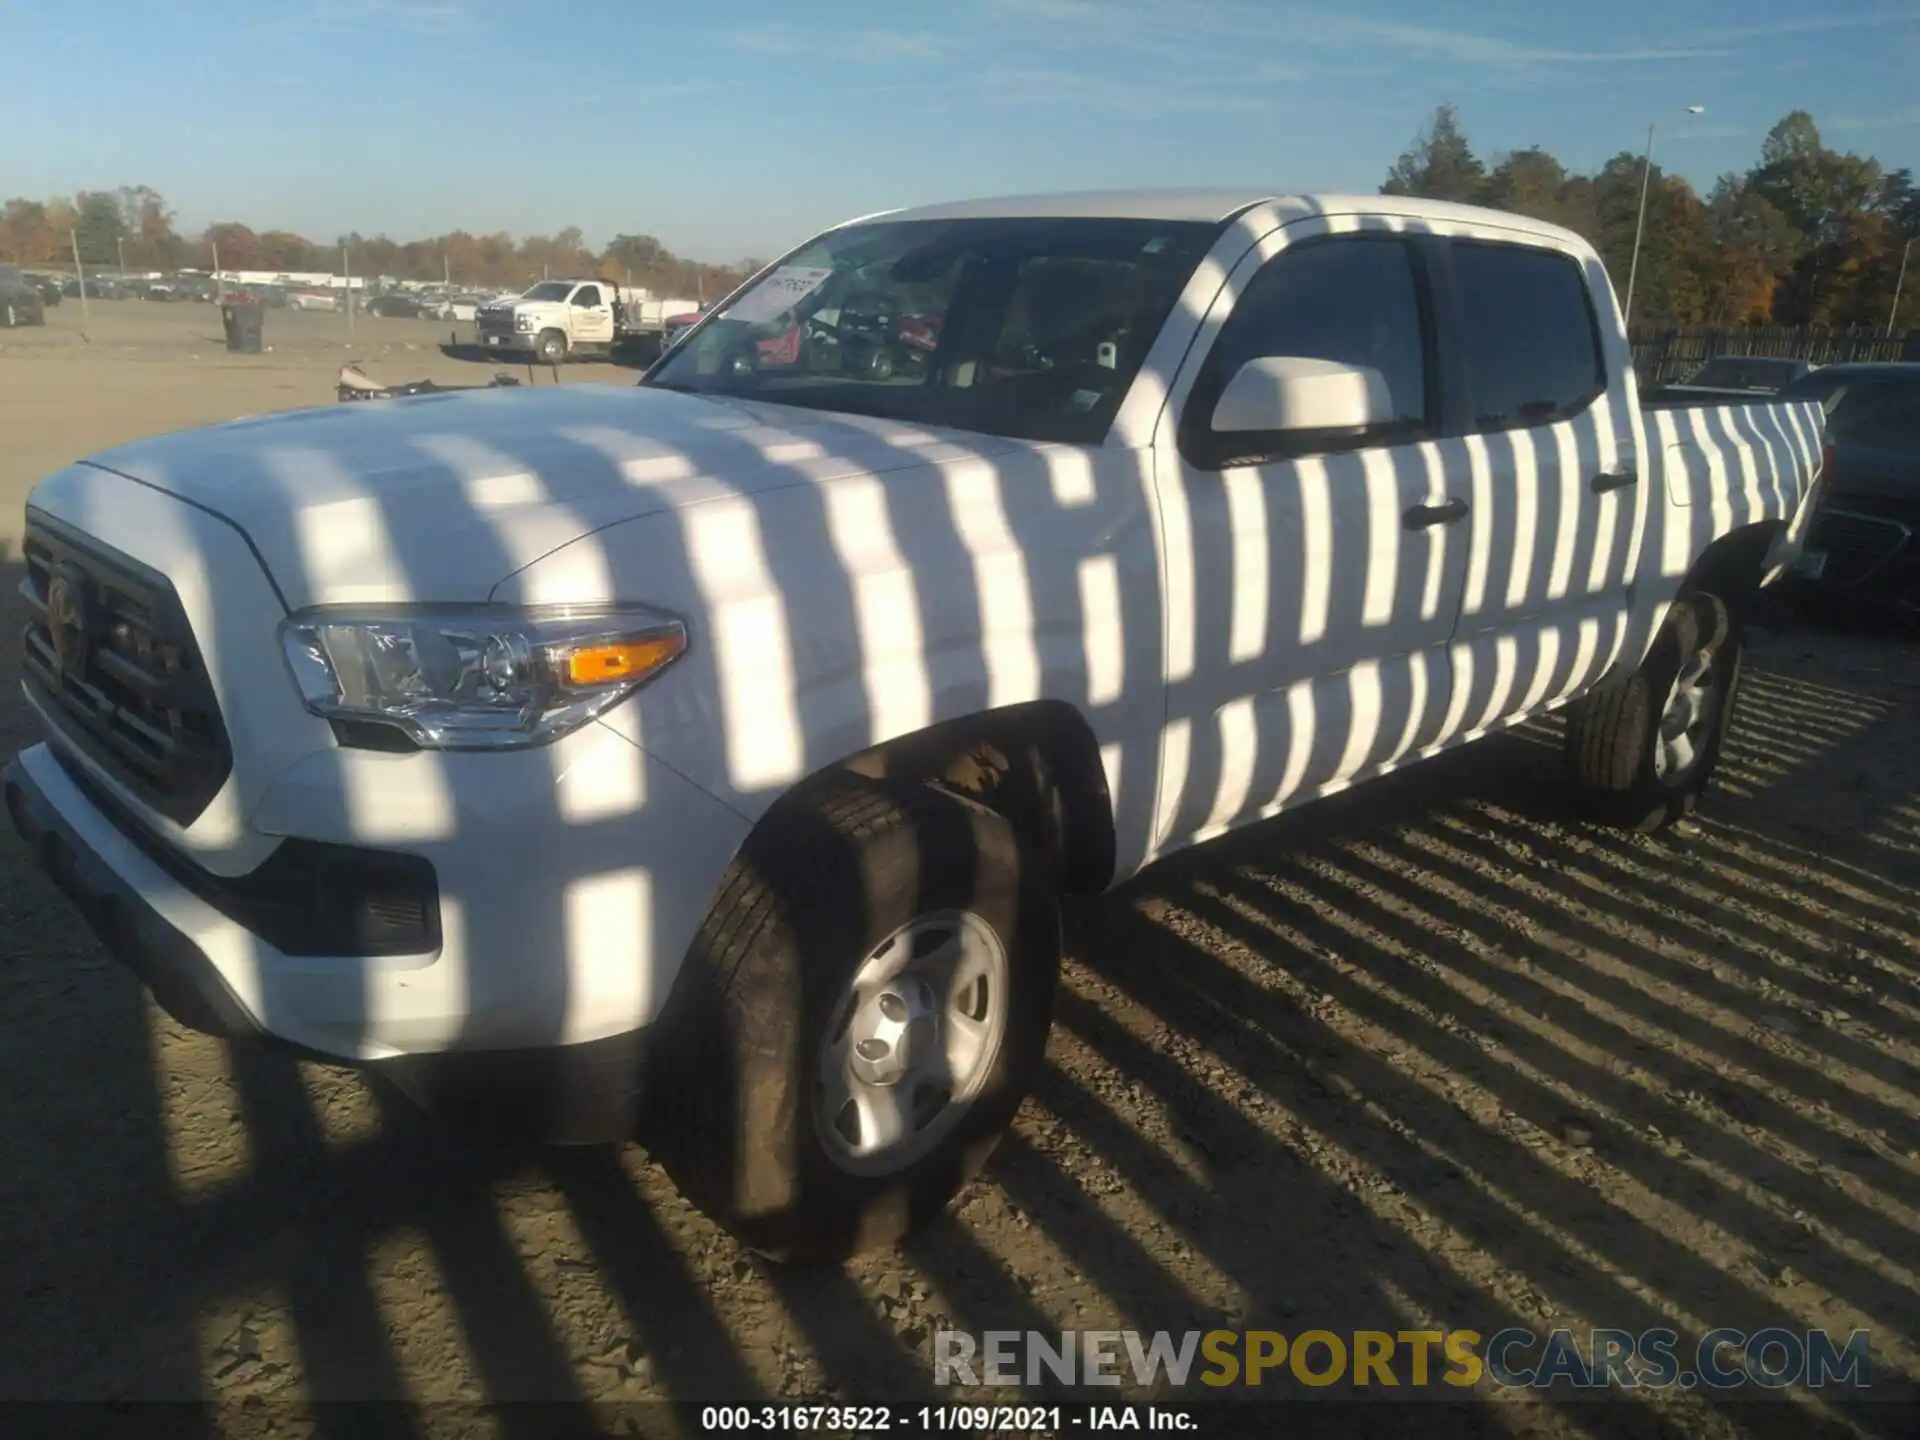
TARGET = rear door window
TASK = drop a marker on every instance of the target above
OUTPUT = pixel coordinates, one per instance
(1528, 340)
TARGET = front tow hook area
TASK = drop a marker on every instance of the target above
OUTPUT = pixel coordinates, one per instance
(182, 980)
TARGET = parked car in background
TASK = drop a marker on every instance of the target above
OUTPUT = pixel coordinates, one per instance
(679, 325)
(395, 306)
(716, 754)
(49, 288)
(20, 302)
(1862, 546)
(312, 300)
(98, 287)
(1761, 374)
(456, 306)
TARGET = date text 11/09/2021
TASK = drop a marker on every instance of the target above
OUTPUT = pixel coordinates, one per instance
(937, 1419)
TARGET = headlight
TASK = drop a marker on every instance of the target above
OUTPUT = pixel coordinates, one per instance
(481, 677)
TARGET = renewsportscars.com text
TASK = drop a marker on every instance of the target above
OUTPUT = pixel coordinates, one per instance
(1721, 1359)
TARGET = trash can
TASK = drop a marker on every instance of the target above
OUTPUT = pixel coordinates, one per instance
(243, 321)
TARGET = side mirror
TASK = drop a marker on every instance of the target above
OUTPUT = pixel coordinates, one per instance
(1296, 392)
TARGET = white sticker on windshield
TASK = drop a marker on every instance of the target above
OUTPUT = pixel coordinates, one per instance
(780, 291)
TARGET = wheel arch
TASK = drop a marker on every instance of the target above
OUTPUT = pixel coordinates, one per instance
(1036, 763)
(1730, 568)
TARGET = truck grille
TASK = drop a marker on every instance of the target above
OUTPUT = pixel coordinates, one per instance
(111, 659)
(1856, 545)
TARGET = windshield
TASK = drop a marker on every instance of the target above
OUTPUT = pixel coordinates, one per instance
(1023, 327)
(1748, 374)
(550, 290)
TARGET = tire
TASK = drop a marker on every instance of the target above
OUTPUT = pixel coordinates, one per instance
(550, 348)
(880, 367)
(9, 317)
(859, 877)
(1630, 768)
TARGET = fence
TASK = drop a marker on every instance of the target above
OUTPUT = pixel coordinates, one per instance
(1660, 357)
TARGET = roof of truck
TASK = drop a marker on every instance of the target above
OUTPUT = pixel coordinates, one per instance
(1211, 205)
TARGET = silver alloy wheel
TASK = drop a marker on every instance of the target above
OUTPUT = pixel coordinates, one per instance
(911, 1042)
(1687, 718)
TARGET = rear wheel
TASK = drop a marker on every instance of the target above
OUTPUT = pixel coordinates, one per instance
(9, 317)
(861, 1016)
(1640, 750)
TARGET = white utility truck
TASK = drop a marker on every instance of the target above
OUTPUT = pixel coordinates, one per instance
(708, 759)
(556, 320)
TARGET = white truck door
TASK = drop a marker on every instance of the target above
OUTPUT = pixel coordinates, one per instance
(592, 316)
(1558, 500)
(1326, 571)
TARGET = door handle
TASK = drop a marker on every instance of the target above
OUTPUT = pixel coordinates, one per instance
(1421, 517)
(1613, 480)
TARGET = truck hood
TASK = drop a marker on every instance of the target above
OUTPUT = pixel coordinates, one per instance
(441, 497)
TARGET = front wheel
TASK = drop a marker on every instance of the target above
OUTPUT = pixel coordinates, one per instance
(864, 1011)
(550, 348)
(1640, 750)
(9, 317)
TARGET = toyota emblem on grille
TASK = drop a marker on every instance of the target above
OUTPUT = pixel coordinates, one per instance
(70, 621)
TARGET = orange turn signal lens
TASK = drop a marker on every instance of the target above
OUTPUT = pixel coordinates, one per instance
(621, 659)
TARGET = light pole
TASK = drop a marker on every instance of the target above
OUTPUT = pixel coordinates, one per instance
(1640, 225)
(1893, 310)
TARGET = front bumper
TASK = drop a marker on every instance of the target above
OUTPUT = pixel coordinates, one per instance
(558, 948)
(135, 930)
(505, 342)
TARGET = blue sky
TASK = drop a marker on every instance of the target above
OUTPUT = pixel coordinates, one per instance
(736, 127)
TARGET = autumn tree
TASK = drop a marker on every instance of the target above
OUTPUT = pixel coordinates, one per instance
(237, 246)
(1808, 235)
(1755, 244)
(284, 252)
(27, 236)
(146, 222)
(99, 227)
(1440, 165)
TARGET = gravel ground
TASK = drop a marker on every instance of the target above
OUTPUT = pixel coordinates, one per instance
(1428, 1055)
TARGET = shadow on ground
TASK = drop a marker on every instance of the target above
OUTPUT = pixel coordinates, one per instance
(1428, 1055)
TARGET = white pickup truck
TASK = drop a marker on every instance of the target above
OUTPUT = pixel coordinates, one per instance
(557, 320)
(711, 757)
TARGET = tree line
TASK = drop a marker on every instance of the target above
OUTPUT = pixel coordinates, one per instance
(135, 227)
(1807, 236)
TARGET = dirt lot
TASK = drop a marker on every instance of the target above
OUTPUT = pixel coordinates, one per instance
(1428, 1056)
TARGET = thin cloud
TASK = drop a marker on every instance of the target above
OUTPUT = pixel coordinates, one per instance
(1080, 91)
(1128, 25)
(1430, 42)
(1811, 25)
(386, 16)
(866, 46)
(1896, 120)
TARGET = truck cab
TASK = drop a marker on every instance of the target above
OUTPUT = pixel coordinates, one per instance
(551, 321)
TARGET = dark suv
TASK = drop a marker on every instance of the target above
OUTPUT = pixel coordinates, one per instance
(20, 302)
(1862, 543)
